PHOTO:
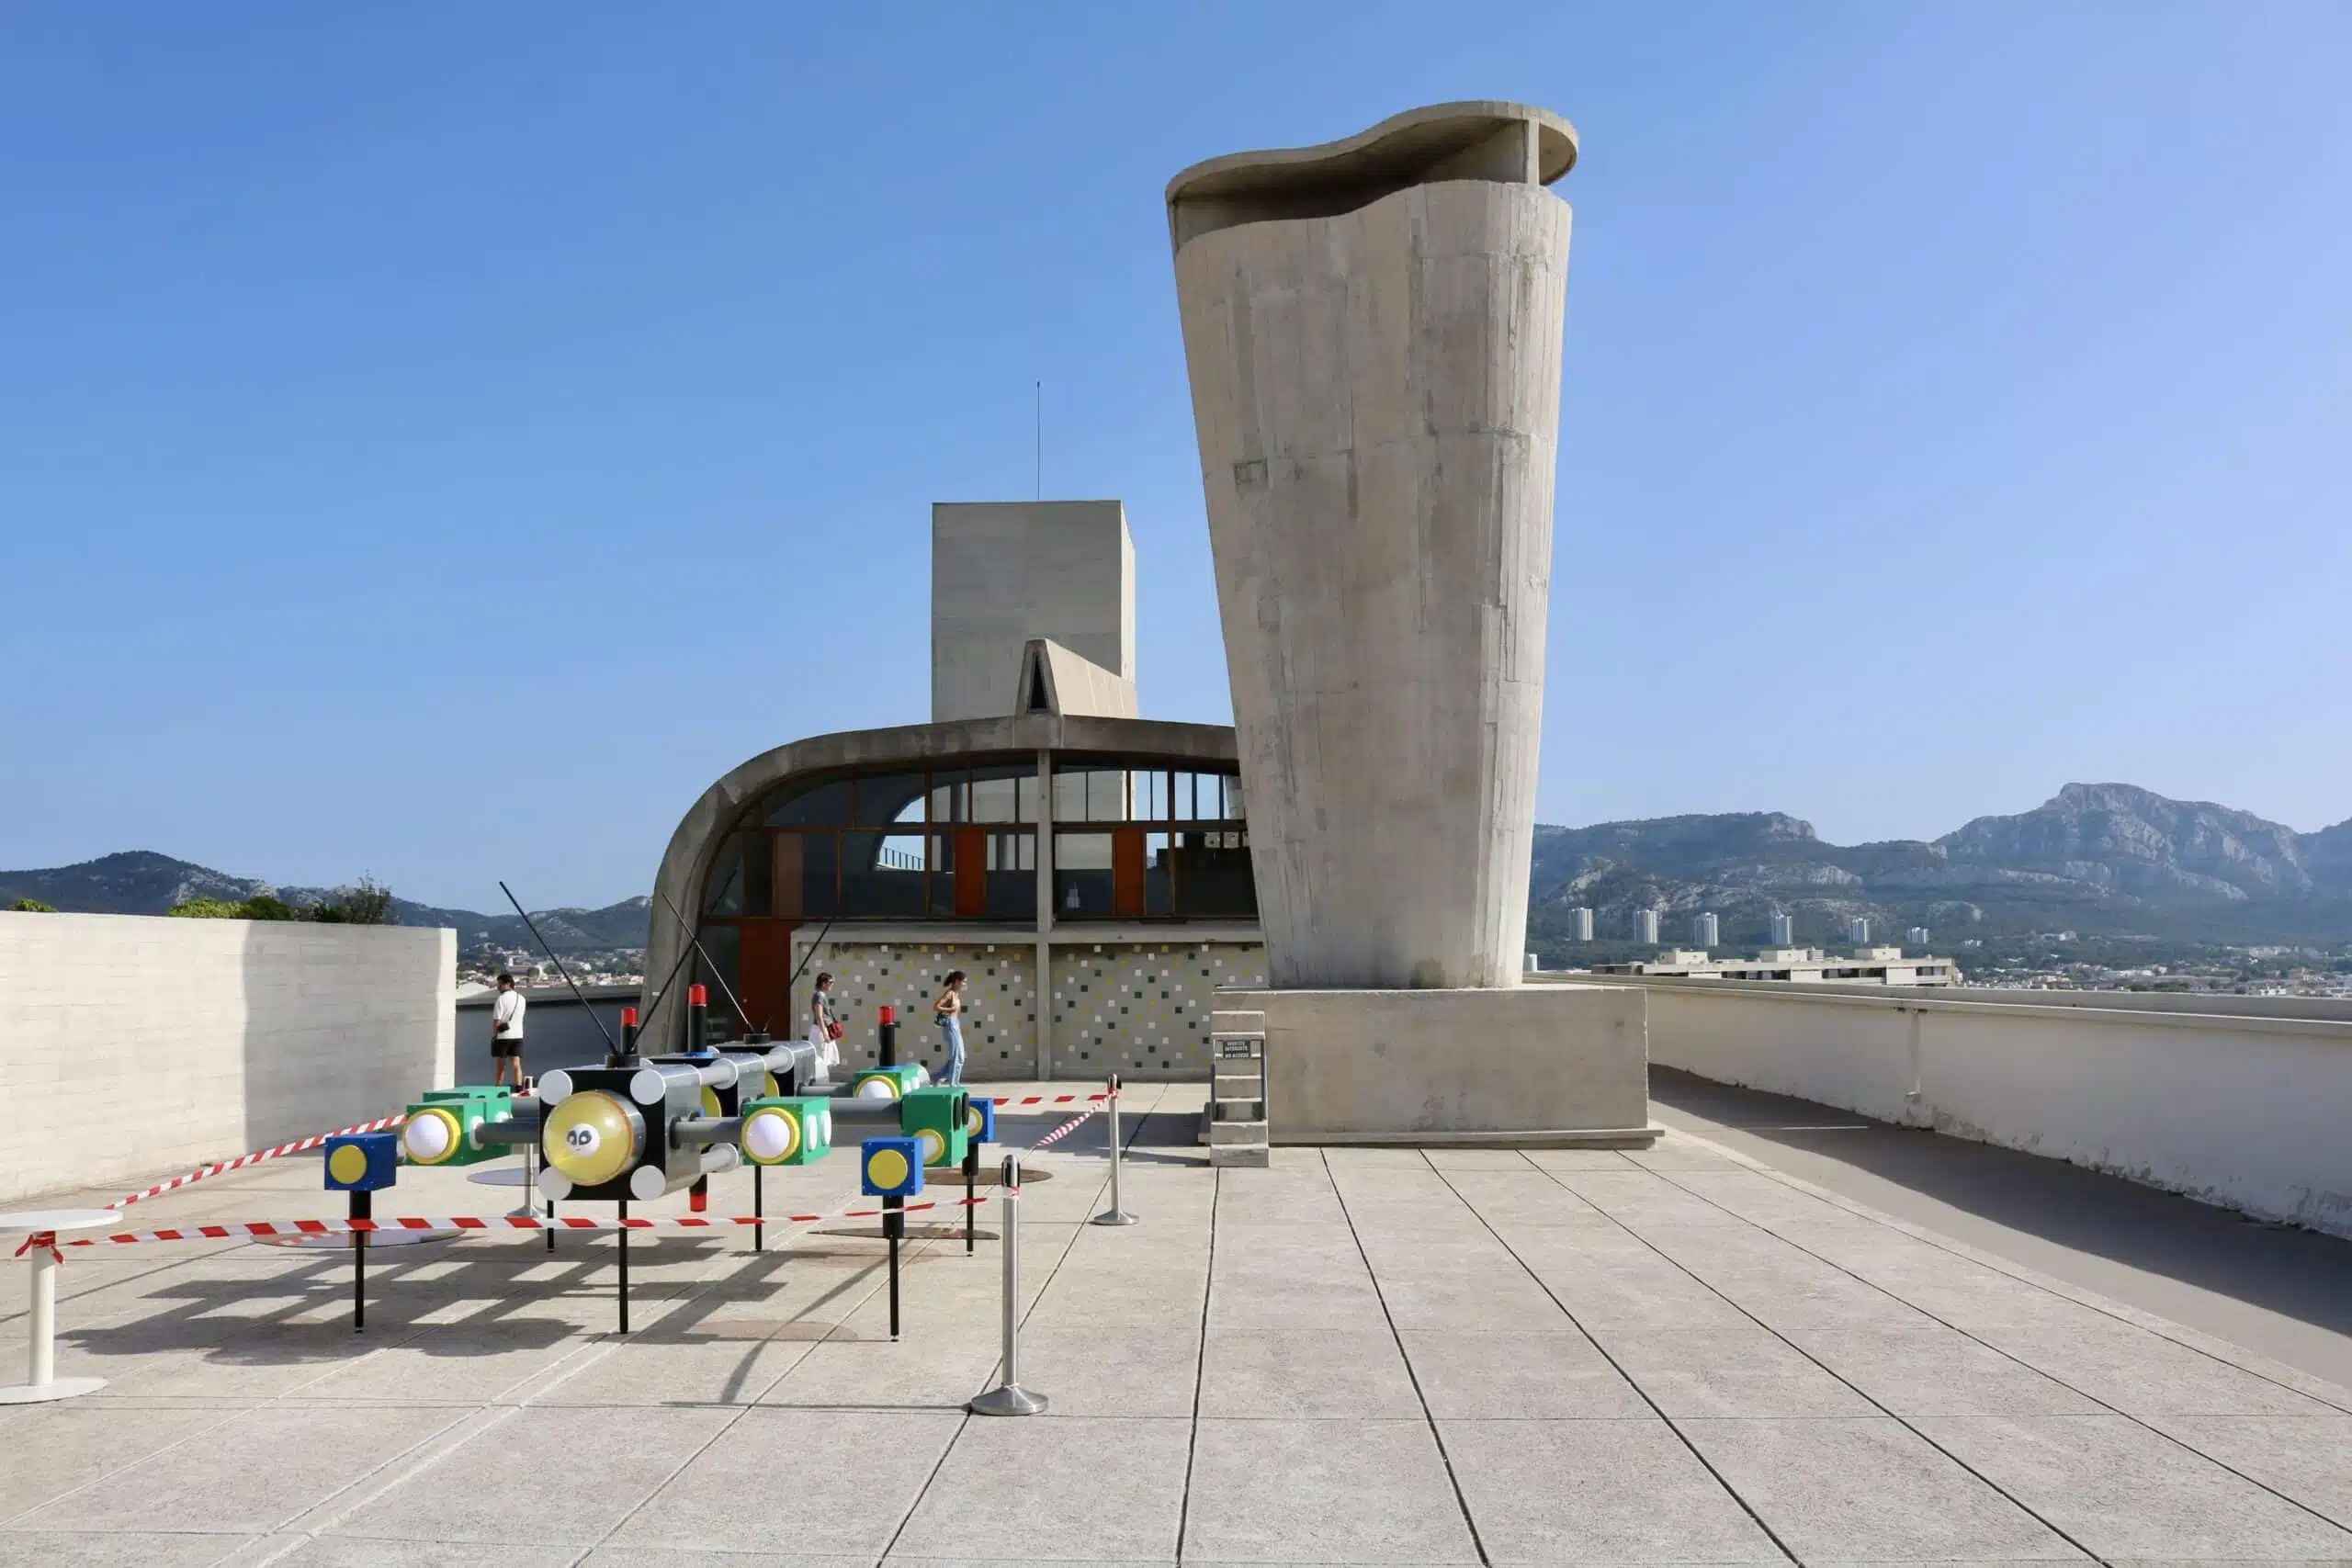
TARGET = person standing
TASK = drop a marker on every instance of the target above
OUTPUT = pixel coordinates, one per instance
(825, 1029)
(948, 1013)
(507, 1030)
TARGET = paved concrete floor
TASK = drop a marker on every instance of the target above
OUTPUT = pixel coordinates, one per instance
(1357, 1356)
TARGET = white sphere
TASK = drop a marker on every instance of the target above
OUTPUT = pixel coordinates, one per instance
(768, 1137)
(426, 1138)
(876, 1089)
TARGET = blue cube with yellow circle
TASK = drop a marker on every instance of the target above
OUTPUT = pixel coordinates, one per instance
(362, 1162)
(888, 1083)
(889, 1167)
(979, 1120)
(440, 1127)
(934, 1117)
(789, 1129)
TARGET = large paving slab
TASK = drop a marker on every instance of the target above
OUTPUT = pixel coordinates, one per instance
(1679, 1355)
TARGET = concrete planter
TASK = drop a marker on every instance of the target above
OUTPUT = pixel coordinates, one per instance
(1373, 332)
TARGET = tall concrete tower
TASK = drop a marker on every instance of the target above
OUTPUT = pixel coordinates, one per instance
(1702, 930)
(1646, 927)
(1373, 328)
(1785, 931)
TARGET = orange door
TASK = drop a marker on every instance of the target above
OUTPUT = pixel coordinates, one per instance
(1126, 871)
(971, 872)
(767, 974)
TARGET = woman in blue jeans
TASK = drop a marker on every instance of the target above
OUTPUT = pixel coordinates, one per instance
(948, 1013)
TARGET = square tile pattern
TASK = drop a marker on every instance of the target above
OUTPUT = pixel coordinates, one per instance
(1355, 1355)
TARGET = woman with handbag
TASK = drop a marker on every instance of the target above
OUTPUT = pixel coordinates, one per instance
(825, 1031)
(948, 1013)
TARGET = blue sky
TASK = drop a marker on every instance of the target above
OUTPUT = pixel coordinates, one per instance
(439, 441)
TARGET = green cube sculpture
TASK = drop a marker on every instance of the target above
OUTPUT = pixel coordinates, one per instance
(935, 1118)
(787, 1129)
(440, 1127)
(888, 1083)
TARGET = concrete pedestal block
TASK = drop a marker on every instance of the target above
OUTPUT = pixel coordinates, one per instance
(1534, 1066)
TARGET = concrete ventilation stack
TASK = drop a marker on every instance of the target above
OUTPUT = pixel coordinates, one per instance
(1373, 331)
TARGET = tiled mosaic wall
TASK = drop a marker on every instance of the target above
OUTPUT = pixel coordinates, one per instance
(1000, 1002)
(1142, 1010)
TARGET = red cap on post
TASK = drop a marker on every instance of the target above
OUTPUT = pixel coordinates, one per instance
(629, 1017)
(887, 1014)
(696, 997)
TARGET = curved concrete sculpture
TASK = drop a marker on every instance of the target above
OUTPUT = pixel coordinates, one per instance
(1373, 328)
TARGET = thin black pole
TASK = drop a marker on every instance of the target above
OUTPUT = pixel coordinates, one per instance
(362, 1207)
(724, 989)
(759, 1197)
(894, 1220)
(971, 1177)
(559, 968)
(623, 1202)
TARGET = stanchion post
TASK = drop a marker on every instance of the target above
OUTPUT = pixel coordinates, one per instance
(1009, 1398)
(624, 1207)
(971, 1181)
(894, 1226)
(758, 1209)
(1114, 1215)
(362, 1207)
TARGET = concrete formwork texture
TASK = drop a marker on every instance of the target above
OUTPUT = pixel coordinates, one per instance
(1373, 328)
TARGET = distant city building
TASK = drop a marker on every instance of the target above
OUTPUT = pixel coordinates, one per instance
(1580, 924)
(1873, 966)
(1534, 963)
(1646, 927)
(1916, 937)
(1785, 931)
(1858, 931)
(1702, 928)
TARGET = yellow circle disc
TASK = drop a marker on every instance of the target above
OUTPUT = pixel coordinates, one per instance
(768, 1085)
(591, 1137)
(349, 1163)
(771, 1136)
(431, 1136)
(971, 1120)
(934, 1148)
(887, 1168)
(709, 1101)
(880, 1086)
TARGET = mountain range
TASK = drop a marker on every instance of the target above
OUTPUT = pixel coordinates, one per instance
(2107, 857)
(140, 882)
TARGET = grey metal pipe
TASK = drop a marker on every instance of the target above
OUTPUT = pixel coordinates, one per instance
(516, 1130)
(708, 1130)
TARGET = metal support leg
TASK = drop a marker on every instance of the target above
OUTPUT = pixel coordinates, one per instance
(624, 1205)
(759, 1210)
(971, 1180)
(1114, 1215)
(894, 1224)
(1009, 1398)
(362, 1207)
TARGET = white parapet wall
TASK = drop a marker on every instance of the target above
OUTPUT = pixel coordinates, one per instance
(132, 1046)
(2240, 1101)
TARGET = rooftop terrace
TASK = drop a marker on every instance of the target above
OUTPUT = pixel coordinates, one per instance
(1708, 1352)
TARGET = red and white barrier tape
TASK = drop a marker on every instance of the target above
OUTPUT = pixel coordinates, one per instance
(1065, 1130)
(255, 1157)
(242, 1230)
(1003, 1100)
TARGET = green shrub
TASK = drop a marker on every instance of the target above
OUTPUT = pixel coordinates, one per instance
(32, 906)
(368, 904)
(261, 906)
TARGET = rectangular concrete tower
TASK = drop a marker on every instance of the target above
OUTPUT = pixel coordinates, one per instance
(1005, 571)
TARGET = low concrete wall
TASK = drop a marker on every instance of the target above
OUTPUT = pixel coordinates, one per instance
(132, 1045)
(2228, 1102)
(1548, 1065)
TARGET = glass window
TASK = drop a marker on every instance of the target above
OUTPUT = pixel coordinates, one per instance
(759, 874)
(942, 873)
(816, 806)
(1212, 876)
(886, 797)
(804, 874)
(1004, 792)
(1149, 793)
(1159, 874)
(722, 945)
(1081, 875)
(951, 798)
(1012, 875)
(1089, 794)
(882, 873)
(723, 888)
(1180, 798)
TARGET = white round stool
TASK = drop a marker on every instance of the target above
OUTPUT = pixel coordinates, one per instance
(43, 1383)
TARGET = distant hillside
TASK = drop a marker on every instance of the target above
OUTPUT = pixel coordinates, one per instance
(140, 882)
(2094, 857)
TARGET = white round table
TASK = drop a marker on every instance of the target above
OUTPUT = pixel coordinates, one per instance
(41, 1228)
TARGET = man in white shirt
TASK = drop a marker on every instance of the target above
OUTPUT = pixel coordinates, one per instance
(506, 1031)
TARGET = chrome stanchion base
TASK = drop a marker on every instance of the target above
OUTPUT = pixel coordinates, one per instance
(1010, 1400)
(73, 1388)
(1112, 1218)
